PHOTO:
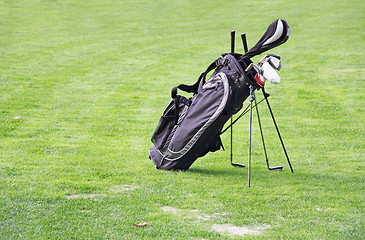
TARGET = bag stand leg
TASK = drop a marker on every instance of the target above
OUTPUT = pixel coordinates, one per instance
(249, 147)
(252, 98)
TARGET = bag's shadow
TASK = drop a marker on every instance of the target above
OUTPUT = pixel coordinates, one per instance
(214, 171)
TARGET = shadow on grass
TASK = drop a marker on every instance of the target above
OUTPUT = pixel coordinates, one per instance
(215, 171)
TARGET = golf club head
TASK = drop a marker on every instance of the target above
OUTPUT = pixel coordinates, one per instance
(238, 165)
(276, 34)
(273, 60)
(278, 168)
(270, 74)
(257, 68)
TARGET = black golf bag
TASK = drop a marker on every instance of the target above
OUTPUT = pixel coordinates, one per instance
(190, 127)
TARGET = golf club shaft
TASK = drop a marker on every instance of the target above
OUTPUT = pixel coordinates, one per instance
(262, 134)
(263, 142)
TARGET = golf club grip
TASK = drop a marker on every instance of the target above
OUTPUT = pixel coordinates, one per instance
(244, 42)
(233, 33)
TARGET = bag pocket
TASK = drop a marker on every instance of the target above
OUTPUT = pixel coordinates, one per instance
(167, 122)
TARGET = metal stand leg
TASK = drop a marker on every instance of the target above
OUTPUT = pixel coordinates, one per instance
(231, 141)
(249, 148)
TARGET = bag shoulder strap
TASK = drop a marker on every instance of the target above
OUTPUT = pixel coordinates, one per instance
(221, 61)
(193, 88)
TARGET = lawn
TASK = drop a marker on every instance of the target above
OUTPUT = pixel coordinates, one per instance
(82, 87)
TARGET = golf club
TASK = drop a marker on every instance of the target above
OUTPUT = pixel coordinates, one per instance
(278, 168)
(277, 129)
(273, 60)
(233, 33)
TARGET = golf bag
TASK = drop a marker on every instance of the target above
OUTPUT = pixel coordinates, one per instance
(190, 127)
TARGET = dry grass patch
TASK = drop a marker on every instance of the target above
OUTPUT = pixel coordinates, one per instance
(232, 230)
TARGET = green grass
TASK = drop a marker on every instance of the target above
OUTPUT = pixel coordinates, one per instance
(90, 80)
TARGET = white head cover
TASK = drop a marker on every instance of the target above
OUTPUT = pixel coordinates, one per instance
(270, 74)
